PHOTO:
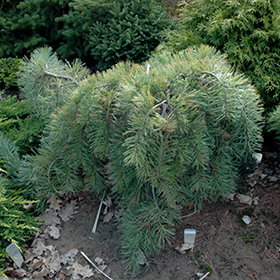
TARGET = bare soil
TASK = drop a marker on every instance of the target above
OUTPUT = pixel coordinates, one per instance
(225, 247)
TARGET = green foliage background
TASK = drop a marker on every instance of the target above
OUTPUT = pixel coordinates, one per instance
(29, 24)
(94, 31)
(130, 30)
(9, 68)
(20, 125)
(16, 224)
(248, 31)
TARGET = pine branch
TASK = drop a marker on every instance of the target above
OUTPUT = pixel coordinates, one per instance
(61, 76)
(49, 171)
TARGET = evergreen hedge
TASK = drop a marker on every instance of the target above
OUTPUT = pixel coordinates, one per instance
(175, 134)
(248, 31)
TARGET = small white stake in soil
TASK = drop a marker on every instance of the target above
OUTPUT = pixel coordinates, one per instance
(204, 276)
(15, 254)
(98, 214)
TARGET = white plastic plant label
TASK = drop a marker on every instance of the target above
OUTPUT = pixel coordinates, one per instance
(15, 254)
(189, 236)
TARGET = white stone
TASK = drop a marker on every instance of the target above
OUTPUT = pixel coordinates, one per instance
(246, 219)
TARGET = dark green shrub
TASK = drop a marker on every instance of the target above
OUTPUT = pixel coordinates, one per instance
(178, 135)
(9, 68)
(130, 31)
(76, 24)
(20, 125)
(106, 32)
(29, 24)
(248, 31)
(94, 31)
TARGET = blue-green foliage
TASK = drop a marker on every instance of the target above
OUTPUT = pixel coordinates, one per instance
(178, 134)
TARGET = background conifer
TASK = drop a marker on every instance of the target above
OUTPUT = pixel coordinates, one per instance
(247, 31)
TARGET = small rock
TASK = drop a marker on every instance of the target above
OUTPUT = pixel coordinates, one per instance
(257, 157)
(259, 174)
(256, 200)
(244, 199)
(246, 219)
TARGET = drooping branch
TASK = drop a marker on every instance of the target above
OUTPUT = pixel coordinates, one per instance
(62, 77)
(154, 197)
(217, 78)
(49, 171)
(140, 131)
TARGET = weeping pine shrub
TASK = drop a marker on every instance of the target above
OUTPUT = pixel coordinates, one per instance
(172, 132)
(248, 31)
(45, 84)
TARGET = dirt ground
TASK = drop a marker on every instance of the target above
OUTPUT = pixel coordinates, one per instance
(225, 247)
